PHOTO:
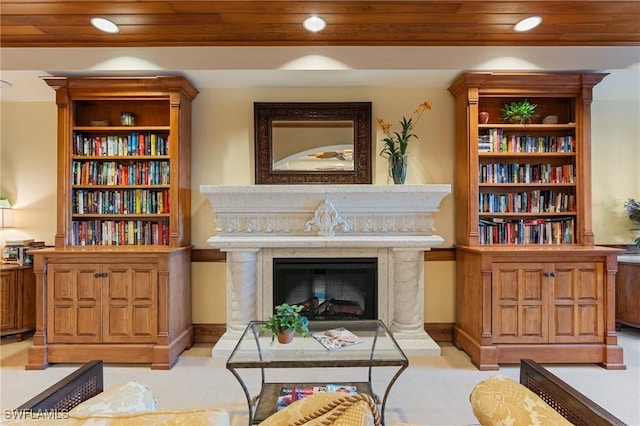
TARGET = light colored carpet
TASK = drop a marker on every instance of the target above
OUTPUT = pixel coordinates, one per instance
(432, 391)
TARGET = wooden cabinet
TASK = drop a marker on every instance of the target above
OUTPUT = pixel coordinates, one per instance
(547, 302)
(130, 306)
(628, 291)
(107, 303)
(117, 284)
(17, 296)
(530, 281)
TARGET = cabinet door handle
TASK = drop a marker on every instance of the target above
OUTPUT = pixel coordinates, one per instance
(101, 275)
(97, 275)
(549, 274)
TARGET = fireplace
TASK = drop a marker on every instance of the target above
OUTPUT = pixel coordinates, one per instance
(258, 225)
(328, 288)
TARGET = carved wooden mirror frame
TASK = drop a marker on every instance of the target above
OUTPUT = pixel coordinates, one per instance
(357, 112)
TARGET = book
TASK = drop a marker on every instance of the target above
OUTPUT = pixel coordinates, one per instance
(337, 338)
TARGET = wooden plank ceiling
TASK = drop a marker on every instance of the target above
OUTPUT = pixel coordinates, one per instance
(65, 23)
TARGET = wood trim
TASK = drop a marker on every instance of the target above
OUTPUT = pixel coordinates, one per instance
(208, 255)
(208, 333)
(211, 333)
(440, 331)
(215, 255)
(440, 254)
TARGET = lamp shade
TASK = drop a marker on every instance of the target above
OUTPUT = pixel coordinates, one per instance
(6, 214)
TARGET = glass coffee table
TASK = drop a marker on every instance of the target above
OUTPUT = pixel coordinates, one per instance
(255, 350)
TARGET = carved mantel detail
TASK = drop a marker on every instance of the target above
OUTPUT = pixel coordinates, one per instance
(326, 219)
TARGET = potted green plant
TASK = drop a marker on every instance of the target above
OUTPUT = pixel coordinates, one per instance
(633, 210)
(285, 322)
(519, 112)
(396, 143)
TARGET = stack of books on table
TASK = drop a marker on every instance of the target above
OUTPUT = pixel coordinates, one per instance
(17, 252)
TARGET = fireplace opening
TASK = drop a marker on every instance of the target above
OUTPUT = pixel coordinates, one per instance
(328, 288)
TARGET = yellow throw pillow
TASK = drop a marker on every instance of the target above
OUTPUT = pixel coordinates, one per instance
(499, 401)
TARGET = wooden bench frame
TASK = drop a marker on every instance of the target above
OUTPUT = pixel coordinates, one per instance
(567, 401)
(70, 391)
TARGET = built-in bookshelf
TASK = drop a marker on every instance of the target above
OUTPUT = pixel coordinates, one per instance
(127, 151)
(528, 272)
(123, 241)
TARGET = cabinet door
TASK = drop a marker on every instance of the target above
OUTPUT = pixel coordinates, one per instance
(74, 303)
(8, 300)
(519, 303)
(130, 295)
(576, 298)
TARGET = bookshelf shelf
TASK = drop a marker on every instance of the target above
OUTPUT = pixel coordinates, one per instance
(528, 127)
(524, 240)
(121, 187)
(119, 129)
(524, 214)
(119, 157)
(123, 242)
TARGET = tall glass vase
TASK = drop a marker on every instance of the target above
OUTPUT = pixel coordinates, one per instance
(398, 168)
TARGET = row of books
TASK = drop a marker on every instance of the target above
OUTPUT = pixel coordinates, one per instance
(496, 140)
(289, 395)
(130, 201)
(521, 231)
(537, 201)
(121, 145)
(526, 173)
(120, 173)
(119, 233)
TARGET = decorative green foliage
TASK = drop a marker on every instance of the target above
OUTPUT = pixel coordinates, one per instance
(287, 318)
(633, 210)
(396, 143)
(518, 112)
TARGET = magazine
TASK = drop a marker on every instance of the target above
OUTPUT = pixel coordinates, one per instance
(350, 389)
(290, 395)
(337, 338)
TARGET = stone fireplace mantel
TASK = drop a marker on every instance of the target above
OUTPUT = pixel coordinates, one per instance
(393, 223)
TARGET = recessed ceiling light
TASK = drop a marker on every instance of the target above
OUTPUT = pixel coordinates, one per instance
(105, 25)
(314, 24)
(527, 24)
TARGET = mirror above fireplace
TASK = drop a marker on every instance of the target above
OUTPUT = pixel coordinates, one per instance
(312, 142)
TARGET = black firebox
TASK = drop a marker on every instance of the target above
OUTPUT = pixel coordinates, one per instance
(329, 288)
